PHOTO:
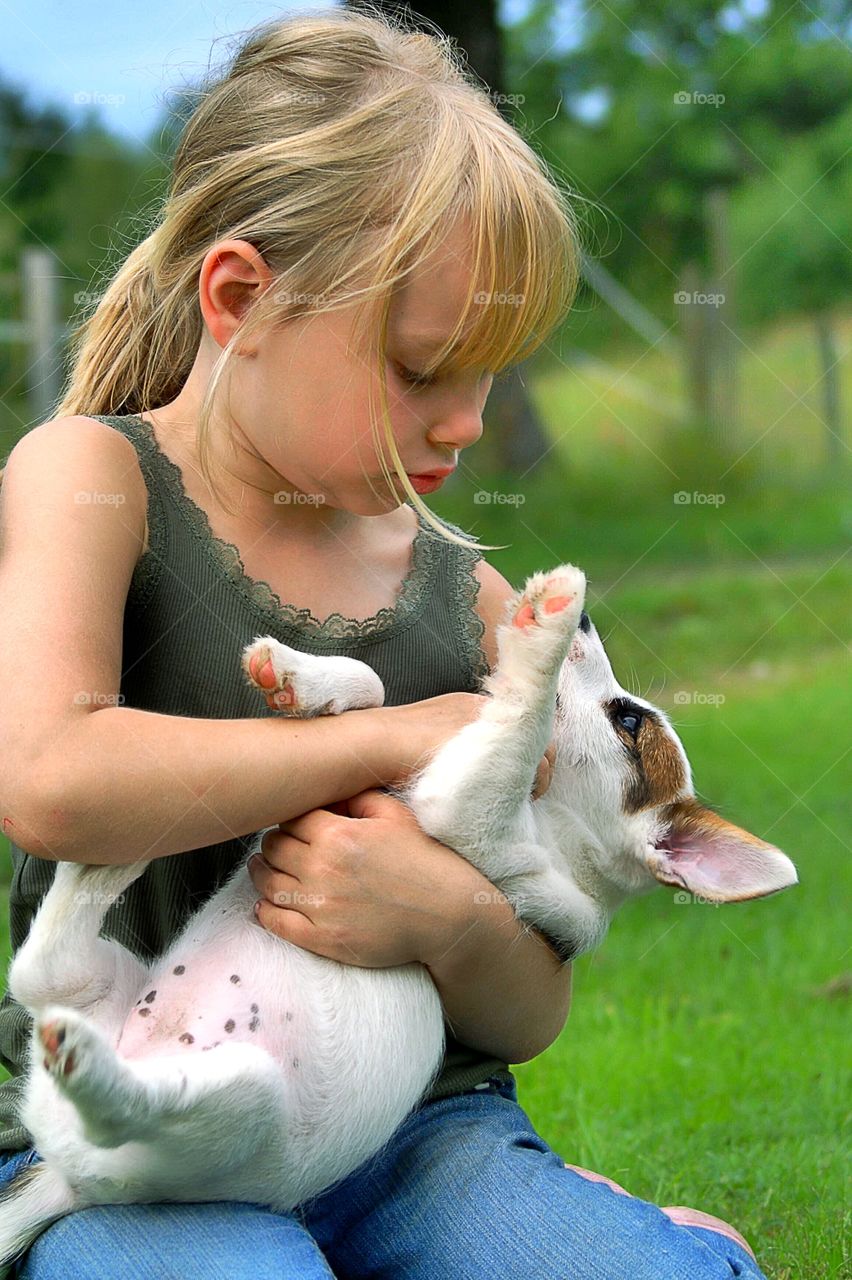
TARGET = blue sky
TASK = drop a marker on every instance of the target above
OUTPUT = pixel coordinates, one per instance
(123, 57)
(121, 62)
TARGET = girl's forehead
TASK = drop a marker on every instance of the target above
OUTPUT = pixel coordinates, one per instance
(427, 306)
(433, 296)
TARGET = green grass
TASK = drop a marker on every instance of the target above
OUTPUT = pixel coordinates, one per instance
(622, 410)
(702, 1062)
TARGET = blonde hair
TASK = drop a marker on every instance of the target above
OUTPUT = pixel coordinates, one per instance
(342, 145)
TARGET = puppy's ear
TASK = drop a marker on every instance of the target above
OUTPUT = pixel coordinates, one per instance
(713, 859)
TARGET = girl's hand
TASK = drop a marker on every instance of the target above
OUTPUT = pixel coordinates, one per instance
(544, 772)
(370, 889)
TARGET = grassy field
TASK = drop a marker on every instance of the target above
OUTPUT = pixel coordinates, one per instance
(703, 1061)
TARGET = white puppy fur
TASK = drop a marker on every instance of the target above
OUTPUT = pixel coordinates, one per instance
(238, 1066)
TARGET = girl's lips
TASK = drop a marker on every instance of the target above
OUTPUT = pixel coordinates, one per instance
(426, 484)
(428, 481)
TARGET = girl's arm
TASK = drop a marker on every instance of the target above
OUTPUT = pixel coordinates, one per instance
(89, 782)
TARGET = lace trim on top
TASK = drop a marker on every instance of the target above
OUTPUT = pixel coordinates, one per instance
(426, 550)
(470, 624)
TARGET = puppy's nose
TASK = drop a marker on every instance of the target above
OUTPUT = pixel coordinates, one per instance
(585, 622)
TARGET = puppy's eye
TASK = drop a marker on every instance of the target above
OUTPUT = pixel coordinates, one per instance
(630, 721)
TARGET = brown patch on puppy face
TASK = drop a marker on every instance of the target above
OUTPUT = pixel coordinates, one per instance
(657, 775)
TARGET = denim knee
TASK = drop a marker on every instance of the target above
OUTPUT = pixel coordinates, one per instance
(170, 1241)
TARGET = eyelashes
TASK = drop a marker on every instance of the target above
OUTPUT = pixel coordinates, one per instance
(415, 380)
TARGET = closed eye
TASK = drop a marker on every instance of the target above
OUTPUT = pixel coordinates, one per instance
(415, 380)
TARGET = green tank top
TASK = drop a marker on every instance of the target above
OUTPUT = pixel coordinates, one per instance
(190, 610)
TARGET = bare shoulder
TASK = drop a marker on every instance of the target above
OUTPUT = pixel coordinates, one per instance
(82, 447)
(86, 430)
(491, 605)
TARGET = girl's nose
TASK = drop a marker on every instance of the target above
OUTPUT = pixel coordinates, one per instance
(459, 427)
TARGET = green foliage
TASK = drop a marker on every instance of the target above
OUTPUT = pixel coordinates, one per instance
(793, 227)
(642, 167)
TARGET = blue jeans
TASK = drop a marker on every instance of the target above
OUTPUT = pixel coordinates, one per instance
(465, 1188)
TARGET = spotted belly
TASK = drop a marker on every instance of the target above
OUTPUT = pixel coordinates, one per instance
(181, 1011)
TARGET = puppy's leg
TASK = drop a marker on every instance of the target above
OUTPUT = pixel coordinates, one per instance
(303, 684)
(64, 960)
(121, 1100)
(474, 794)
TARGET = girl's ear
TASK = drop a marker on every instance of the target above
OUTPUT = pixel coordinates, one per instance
(232, 275)
(713, 859)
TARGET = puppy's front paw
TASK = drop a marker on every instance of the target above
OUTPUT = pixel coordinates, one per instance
(552, 598)
(269, 667)
(307, 684)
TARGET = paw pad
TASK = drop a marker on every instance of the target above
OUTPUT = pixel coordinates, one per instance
(277, 687)
(52, 1036)
(547, 604)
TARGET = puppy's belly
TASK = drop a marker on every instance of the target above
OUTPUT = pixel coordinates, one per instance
(196, 1014)
(206, 1000)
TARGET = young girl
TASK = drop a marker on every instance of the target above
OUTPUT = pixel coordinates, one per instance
(354, 243)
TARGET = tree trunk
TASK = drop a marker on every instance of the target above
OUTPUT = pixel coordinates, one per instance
(721, 321)
(831, 414)
(514, 436)
(696, 345)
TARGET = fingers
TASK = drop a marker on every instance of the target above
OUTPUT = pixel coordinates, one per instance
(278, 887)
(544, 773)
(305, 826)
(281, 851)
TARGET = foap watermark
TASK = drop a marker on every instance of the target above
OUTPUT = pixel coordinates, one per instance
(84, 98)
(687, 98)
(85, 298)
(485, 896)
(684, 899)
(507, 99)
(91, 698)
(683, 298)
(290, 299)
(285, 899)
(482, 497)
(94, 498)
(687, 697)
(484, 299)
(683, 498)
(311, 97)
(97, 898)
(284, 497)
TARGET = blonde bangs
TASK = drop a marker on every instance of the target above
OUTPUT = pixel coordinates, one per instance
(524, 259)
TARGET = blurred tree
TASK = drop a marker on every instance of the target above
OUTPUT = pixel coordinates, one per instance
(32, 159)
(793, 235)
(67, 188)
(665, 110)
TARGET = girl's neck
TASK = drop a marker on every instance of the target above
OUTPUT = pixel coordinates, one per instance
(247, 483)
